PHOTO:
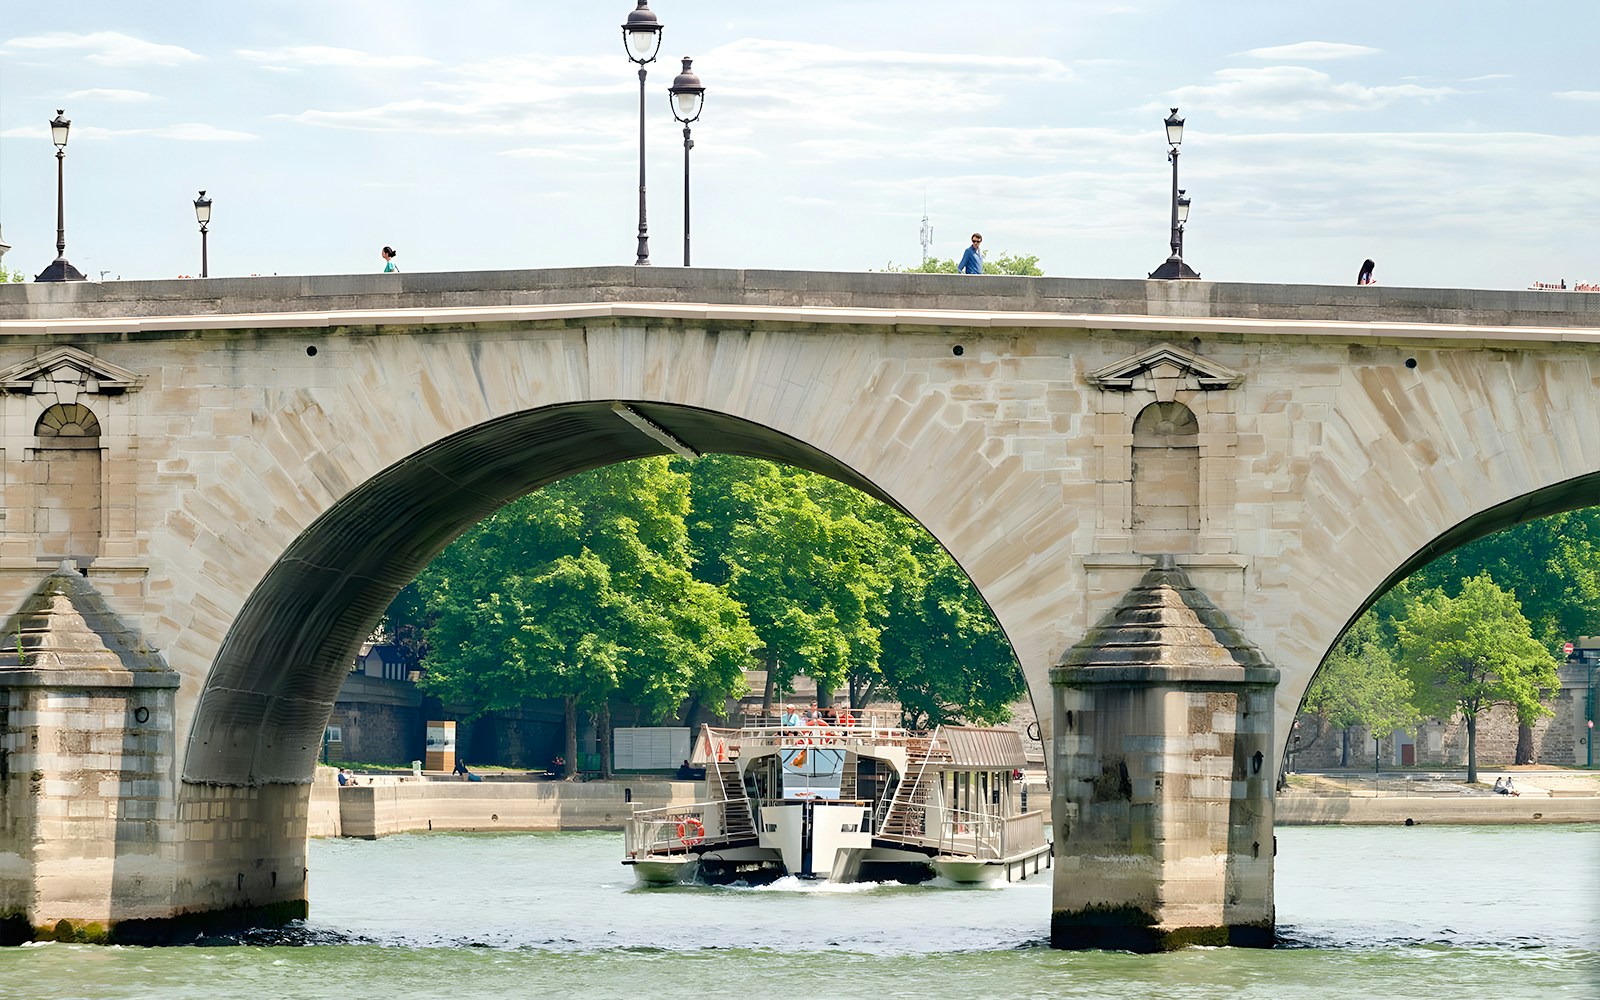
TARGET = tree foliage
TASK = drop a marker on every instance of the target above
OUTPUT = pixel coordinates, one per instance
(1472, 651)
(1360, 685)
(999, 262)
(657, 582)
(1552, 564)
(582, 591)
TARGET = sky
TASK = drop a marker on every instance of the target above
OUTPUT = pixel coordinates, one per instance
(1453, 143)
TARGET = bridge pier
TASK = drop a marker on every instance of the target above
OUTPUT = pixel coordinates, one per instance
(98, 843)
(1163, 777)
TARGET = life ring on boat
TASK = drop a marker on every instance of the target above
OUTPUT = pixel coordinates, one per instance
(847, 719)
(691, 832)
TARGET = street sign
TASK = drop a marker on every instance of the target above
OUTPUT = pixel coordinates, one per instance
(1567, 648)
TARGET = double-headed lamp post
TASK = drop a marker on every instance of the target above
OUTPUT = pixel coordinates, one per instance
(202, 212)
(641, 33)
(59, 269)
(688, 97)
(1174, 267)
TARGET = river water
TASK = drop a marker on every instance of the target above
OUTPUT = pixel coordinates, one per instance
(1434, 912)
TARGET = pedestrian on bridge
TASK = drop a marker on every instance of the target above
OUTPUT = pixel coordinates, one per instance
(972, 260)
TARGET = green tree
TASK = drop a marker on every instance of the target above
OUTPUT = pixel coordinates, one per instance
(945, 659)
(1473, 651)
(1551, 563)
(582, 591)
(923, 637)
(1359, 685)
(801, 559)
(10, 276)
(999, 262)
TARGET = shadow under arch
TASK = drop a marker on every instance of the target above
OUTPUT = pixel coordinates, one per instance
(1570, 494)
(266, 698)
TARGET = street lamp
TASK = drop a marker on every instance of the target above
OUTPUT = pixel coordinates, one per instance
(202, 212)
(1174, 267)
(1377, 751)
(688, 97)
(59, 269)
(641, 33)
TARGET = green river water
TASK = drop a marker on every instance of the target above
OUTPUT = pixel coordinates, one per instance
(1431, 912)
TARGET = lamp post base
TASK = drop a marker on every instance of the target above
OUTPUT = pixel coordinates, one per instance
(1174, 269)
(60, 270)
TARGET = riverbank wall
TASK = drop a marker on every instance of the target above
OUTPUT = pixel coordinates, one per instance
(1315, 810)
(387, 805)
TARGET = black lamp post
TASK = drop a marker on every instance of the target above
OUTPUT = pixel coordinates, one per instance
(1174, 267)
(688, 97)
(641, 33)
(202, 212)
(59, 269)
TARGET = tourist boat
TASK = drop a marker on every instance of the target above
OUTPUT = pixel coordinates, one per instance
(847, 800)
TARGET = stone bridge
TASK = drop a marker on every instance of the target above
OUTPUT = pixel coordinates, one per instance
(1174, 496)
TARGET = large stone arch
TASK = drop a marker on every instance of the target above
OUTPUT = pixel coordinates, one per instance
(267, 696)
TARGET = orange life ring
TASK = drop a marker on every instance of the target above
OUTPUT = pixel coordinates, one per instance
(691, 832)
(847, 719)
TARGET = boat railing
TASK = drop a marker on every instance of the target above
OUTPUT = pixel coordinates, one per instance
(717, 744)
(984, 836)
(674, 830)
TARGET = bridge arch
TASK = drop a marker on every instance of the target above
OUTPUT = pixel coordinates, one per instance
(261, 713)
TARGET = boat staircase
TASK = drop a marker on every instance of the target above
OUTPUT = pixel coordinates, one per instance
(737, 823)
(904, 818)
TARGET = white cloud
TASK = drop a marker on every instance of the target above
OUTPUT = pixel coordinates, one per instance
(107, 48)
(106, 94)
(752, 83)
(1287, 93)
(327, 55)
(1489, 76)
(1308, 51)
(189, 132)
(180, 132)
(1577, 95)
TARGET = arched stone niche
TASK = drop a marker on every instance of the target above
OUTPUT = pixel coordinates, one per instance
(1166, 479)
(67, 480)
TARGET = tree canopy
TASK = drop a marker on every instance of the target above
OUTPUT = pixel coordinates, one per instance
(657, 582)
(583, 591)
(1471, 651)
(1361, 685)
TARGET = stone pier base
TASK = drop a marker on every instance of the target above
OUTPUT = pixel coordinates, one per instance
(1163, 793)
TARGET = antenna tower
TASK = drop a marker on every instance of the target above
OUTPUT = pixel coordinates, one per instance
(927, 230)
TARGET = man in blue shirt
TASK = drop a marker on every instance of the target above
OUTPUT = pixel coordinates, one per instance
(972, 260)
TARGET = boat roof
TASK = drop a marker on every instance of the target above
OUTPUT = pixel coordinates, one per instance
(989, 749)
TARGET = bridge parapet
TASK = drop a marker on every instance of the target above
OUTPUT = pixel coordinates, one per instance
(931, 295)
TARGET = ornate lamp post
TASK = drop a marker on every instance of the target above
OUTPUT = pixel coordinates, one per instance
(202, 212)
(641, 33)
(1173, 266)
(59, 269)
(688, 97)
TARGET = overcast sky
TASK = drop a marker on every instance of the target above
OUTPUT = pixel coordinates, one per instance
(1455, 143)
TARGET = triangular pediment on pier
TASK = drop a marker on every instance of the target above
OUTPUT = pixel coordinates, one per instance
(68, 366)
(1165, 364)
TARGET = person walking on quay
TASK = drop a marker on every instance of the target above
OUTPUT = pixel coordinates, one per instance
(1365, 277)
(389, 254)
(972, 260)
